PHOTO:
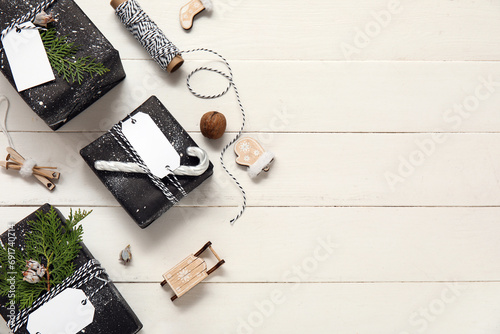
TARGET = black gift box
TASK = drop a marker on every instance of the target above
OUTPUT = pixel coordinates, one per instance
(112, 313)
(58, 101)
(137, 194)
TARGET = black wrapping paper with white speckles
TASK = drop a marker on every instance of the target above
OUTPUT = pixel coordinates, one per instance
(112, 313)
(136, 193)
(57, 102)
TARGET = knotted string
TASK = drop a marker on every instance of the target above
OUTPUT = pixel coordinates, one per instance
(120, 138)
(30, 16)
(90, 270)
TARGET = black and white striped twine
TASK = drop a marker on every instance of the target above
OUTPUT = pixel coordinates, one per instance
(118, 135)
(231, 83)
(90, 270)
(162, 50)
(28, 17)
(152, 38)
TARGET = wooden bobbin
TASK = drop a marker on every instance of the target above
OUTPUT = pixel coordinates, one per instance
(116, 3)
(175, 63)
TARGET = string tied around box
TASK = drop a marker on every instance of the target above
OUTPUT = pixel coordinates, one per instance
(168, 56)
(230, 78)
(90, 270)
(30, 16)
(121, 139)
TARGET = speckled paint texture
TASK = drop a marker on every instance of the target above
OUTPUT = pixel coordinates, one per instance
(137, 194)
(57, 102)
(112, 313)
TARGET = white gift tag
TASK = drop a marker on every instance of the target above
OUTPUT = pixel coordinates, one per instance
(27, 57)
(151, 144)
(67, 313)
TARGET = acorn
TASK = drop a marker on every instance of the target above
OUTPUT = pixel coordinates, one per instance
(213, 125)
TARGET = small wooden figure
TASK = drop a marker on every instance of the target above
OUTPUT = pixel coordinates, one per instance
(29, 167)
(189, 272)
(191, 9)
(250, 153)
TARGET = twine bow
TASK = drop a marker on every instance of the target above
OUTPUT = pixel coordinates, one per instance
(29, 167)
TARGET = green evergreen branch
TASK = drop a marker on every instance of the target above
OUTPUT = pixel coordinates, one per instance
(50, 242)
(61, 54)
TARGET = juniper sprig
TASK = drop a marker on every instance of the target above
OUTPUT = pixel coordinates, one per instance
(61, 54)
(49, 241)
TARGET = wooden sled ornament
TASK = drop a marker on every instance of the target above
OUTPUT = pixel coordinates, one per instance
(251, 154)
(189, 272)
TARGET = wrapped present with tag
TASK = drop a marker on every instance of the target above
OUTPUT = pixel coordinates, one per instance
(51, 283)
(148, 162)
(55, 57)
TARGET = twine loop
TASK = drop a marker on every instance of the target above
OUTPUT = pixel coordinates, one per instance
(229, 77)
(4, 101)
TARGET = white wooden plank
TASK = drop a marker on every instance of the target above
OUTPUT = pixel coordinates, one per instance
(423, 30)
(301, 244)
(461, 308)
(288, 58)
(310, 170)
(313, 97)
(320, 308)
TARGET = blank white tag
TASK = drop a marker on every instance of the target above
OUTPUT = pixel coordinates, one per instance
(151, 144)
(67, 313)
(27, 57)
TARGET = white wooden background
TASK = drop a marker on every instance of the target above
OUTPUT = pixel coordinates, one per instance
(327, 245)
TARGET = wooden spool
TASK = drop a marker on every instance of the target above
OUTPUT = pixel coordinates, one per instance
(175, 63)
